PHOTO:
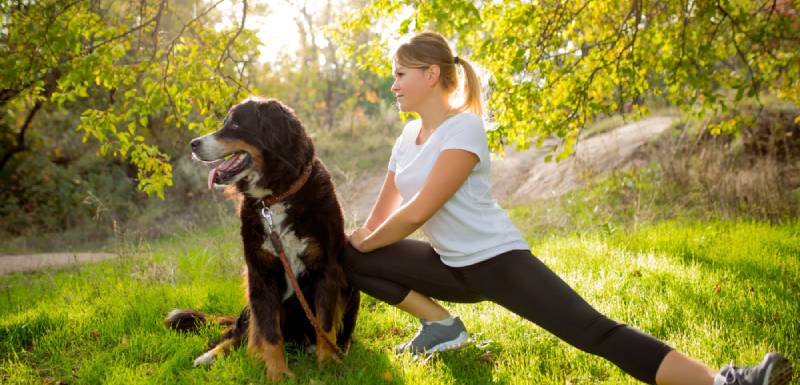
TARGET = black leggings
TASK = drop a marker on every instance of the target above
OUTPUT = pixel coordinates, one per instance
(516, 280)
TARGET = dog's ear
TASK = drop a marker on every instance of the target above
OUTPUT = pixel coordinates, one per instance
(278, 121)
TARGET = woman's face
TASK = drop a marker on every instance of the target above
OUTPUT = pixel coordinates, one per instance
(410, 86)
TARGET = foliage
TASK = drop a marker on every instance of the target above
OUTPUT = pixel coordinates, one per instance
(341, 108)
(142, 67)
(554, 65)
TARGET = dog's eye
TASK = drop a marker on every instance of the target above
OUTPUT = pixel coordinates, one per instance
(230, 124)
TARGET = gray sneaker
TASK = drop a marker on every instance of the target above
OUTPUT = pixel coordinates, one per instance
(774, 369)
(434, 337)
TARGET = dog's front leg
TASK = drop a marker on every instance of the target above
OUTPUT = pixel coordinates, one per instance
(329, 309)
(264, 333)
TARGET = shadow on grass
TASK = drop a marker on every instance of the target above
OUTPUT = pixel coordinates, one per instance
(467, 367)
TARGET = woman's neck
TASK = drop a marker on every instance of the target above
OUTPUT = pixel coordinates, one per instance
(434, 111)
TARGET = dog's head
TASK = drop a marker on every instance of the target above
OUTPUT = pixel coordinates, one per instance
(262, 147)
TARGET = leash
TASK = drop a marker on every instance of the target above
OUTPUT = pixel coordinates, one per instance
(266, 212)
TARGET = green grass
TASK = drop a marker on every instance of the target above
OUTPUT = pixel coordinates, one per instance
(720, 291)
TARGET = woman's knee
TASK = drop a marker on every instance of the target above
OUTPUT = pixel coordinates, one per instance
(351, 259)
(382, 261)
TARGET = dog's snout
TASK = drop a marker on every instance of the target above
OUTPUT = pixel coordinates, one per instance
(207, 148)
(195, 143)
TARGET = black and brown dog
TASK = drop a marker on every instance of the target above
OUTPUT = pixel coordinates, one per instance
(267, 156)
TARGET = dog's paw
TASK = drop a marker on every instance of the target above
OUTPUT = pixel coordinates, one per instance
(279, 374)
(206, 359)
(325, 355)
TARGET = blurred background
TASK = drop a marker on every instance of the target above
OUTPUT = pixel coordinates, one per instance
(621, 117)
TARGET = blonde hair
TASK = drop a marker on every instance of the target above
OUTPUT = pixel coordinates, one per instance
(429, 48)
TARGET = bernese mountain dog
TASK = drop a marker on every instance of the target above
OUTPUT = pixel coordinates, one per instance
(267, 159)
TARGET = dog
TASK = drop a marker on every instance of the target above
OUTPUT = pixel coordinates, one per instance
(268, 160)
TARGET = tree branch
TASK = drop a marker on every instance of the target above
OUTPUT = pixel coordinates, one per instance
(234, 37)
(20, 145)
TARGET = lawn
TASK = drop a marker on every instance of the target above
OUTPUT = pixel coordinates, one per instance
(720, 291)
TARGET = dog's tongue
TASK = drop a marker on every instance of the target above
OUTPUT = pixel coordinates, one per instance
(211, 175)
(227, 164)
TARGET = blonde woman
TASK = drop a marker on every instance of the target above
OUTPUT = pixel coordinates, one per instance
(438, 180)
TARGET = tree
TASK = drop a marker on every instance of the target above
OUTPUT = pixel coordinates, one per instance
(555, 65)
(134, 63)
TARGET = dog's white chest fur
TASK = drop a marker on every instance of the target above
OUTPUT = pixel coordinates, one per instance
(292, 245)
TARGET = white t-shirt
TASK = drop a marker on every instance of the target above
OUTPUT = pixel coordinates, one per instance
(471, 226)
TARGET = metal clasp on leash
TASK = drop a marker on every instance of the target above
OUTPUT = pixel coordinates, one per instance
(266, 212)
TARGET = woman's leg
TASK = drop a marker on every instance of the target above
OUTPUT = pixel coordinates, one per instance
(389, 273)
(680, 369)
(423, 307)
(520, 282)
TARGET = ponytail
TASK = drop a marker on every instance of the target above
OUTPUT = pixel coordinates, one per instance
(472, 85)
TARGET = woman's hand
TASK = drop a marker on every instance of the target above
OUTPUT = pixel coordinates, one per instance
(356, 238)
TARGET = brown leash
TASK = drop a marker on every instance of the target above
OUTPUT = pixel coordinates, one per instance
(266, 212)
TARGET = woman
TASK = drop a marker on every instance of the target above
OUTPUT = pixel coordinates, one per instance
(438, 180)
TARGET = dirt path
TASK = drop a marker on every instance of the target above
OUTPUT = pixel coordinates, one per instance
(28, 262)
(524, 177)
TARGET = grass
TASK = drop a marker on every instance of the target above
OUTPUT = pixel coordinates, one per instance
(720, 291)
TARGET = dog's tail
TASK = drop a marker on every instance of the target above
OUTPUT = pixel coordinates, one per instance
(189, 320)
(232, 336)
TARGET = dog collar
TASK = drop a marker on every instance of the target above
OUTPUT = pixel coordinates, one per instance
(273, 199)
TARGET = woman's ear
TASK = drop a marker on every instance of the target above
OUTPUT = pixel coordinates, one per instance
(432, 74)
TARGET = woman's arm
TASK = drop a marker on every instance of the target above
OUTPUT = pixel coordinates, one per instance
(388, 201)
(447, 175)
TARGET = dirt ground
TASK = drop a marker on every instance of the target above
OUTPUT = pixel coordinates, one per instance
(27, 262)
(524, 177)
(518, 178)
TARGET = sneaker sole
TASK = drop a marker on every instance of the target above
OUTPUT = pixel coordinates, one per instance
(779, 372)
(455, 343)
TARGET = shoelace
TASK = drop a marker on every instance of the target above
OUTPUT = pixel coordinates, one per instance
(732, 377)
